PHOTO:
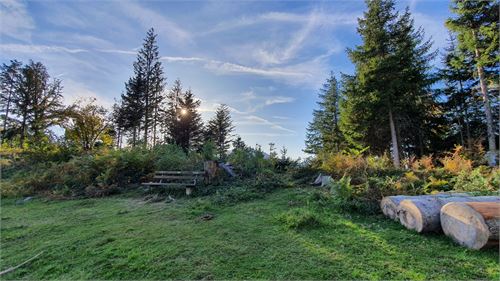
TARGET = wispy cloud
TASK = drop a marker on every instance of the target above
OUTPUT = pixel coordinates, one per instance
(243, 134)
(280, 117)
(279, 99)
(74, 91)
(326, 19)
(256, 102)
(256, 120)
(15, 22)
(30, 49)
(150, 18)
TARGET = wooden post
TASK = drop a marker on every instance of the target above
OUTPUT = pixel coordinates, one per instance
(210, 168)
(189, 191)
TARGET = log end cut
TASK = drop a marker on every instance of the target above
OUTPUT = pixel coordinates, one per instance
(465, 225)
(389, 208)
(410, 216)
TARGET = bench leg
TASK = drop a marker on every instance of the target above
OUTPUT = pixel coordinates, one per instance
(189, 190)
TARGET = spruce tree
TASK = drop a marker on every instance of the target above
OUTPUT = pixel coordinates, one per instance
(182, 119)
(131, 112)
(171, 115)
(460, 108)
(9, 83)
(391, 85)
(238, 143)
(476, 25)
(323, 133)
(219, 130)
(149, 71)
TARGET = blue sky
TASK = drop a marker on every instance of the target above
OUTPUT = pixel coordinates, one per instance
(265, 59)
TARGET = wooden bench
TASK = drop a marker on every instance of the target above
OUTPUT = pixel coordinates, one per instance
(176, 179)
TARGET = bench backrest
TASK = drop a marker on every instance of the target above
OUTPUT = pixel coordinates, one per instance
(178, 174)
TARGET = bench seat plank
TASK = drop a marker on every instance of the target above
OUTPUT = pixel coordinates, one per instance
(169, 184)
(176, 177)
(180, 172)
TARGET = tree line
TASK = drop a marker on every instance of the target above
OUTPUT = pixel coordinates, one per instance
(396, 101)
(147, 114)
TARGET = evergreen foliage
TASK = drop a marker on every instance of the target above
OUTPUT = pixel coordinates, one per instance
(183, 123)
(219, 130)
(476, 25)
(141, 103)
(391, 85)
(323, 133)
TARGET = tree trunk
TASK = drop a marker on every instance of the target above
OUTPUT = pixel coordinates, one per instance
(465, 109)
(390, 204)
(474, 225)
(423, 214)
(394, 141)
(6, 115)
(23, 131)
(487, 110)
(134, 136)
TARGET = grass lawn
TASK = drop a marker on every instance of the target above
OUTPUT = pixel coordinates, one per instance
(121, 237)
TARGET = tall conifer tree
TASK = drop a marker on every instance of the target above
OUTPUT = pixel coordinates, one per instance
(476, 25)
(323, 133)
(391, 83)
(219, 130)
(183, 123)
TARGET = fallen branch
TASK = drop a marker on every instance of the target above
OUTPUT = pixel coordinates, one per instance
(21, 264)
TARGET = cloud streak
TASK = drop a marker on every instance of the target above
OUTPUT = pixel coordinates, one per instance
(148, 18)
(31, 49)
(15, 21)
(256, 120)
(322, 18)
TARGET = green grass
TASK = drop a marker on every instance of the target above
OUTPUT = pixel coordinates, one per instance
(121, 237)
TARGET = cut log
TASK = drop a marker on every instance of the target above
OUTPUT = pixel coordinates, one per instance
(474, 225)
(423, 214)
(390, 204)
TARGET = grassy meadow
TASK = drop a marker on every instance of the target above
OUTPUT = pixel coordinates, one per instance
(123, 237)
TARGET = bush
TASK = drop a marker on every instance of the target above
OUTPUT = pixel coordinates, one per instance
(268, 180)
(426, 164)
(303, 175)
(455, 163)
(365, 197)
(299, 218)
(476, 180)
(172, 157)
(248, 162)
(123, 167)
(355, 165)
(436, 185)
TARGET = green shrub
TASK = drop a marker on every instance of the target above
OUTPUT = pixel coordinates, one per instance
(123, 167)
(249, 162)
(476, 180)
(299, 218)
(267, 181)
(365, 197)
(172, 157)
(303, 175)
(436, 185)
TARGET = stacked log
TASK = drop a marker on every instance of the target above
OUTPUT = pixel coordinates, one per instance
(474, 225)
(423, 215)
(390, 204)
